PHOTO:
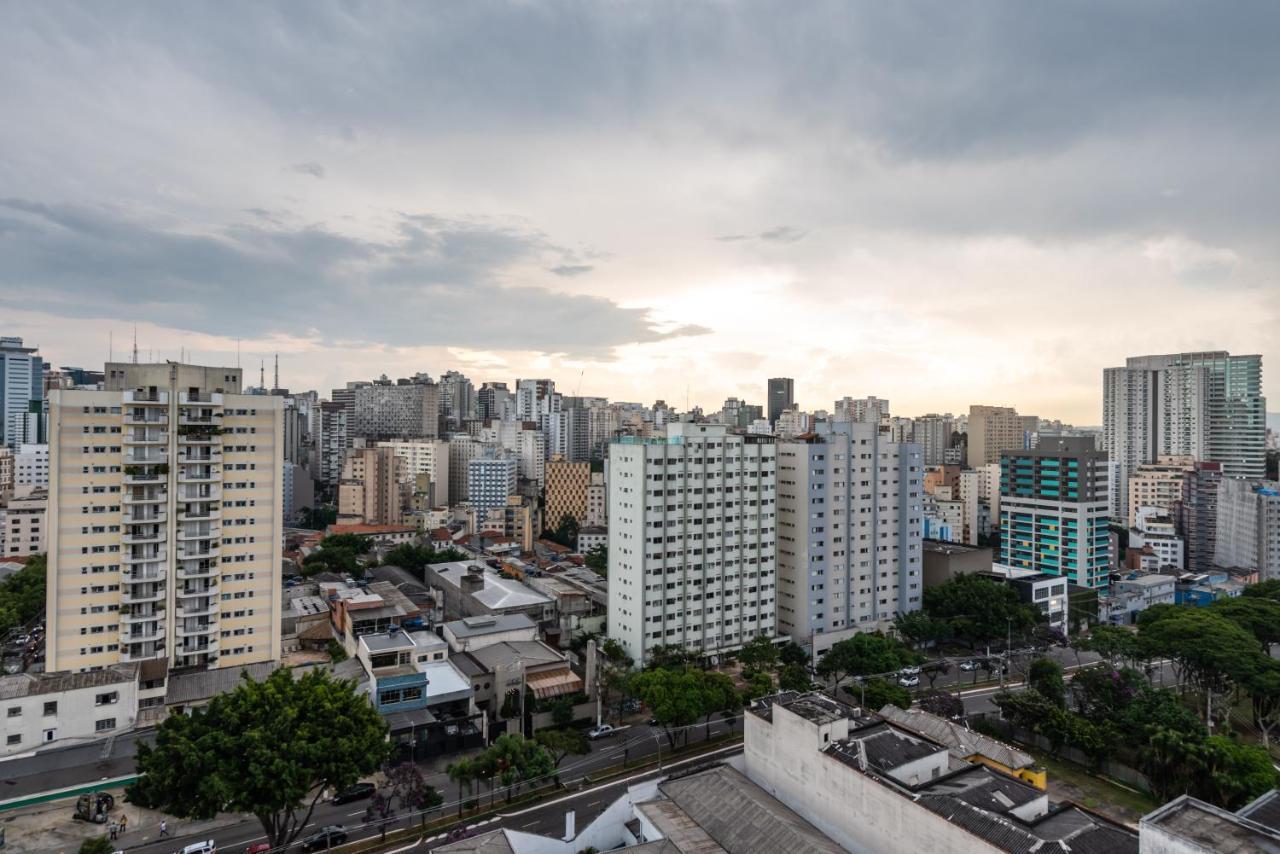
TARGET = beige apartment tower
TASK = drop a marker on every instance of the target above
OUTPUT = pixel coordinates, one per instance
(371, 490)
(567, 484)
(165, 502)
(994, 430)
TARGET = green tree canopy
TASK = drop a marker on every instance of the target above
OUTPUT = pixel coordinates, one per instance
(793, 677)
(22, 594)
(1210, 650)
(597, 560)
(1116, 644)
(678, 699)
(269, 748)
(1255, 614)
(565, 532)
(559, 743)
(793, 653)
(864, 655)
(339, 553)
(1269, 589)
(919, 629)
(417, 556)
(979, 610)
(1045, 676)
(880, 693)
(96, 845)
(759, 653)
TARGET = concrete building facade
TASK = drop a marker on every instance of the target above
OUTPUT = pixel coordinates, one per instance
(567, 485)
(372, 491)
(781, 396)
(850, 528)
(1158, 484)
(21, 385)
(429, 457)
(407, 409)
(692, 539)
(1198, 514)
(24, 527)
(1248, 534)
(996, 429)
(165, 520)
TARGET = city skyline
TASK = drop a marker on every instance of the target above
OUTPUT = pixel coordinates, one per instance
(453, 205)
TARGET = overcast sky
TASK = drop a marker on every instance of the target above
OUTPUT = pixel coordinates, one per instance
(938, 203)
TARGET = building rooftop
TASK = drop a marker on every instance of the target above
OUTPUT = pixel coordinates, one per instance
(947, 548)
(471, 627)
(960, 740)
(387, 641)
(369, 530)
(445, 682)
(19, 685)
(199, 685)
(498, 593)
(532, 653)
(1214, 829)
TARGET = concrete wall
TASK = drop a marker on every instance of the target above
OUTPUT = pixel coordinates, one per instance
(855, 810)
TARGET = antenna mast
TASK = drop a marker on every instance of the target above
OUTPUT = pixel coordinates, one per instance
(135, 343)
(275, 381)
(262, 375)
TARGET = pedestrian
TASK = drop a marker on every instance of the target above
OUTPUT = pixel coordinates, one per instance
(112, 830)
(124, 823)
(164, 828)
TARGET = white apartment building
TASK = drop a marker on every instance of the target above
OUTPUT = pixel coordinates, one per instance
(1158, 484)
(41, 708)
(597, 501)
(31, 465)
(425, 456)
(1153, 527)
(1249, 526)
(932, 433)
(792, 422)
(692, 535)
(862, 410)
(463, 448)
(165, 518)
(24, 523)
(850, 526)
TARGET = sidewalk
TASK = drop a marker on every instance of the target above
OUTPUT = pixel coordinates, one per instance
(49, 827)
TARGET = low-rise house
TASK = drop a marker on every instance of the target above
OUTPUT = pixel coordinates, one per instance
(39, 709)
(471, 589)
(968, 745)
(1131, 595)
(1187, 825)
(501, 673)
(360, 609)
(472, 633)
(193, 688)
(380, 535)
(591, 538)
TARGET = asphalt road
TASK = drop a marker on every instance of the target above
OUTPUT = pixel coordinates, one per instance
(632, 743)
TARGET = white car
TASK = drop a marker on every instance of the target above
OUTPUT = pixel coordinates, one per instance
(206, 847)
(969, 666)
(601, 731)
(909, 681)
(909, 670)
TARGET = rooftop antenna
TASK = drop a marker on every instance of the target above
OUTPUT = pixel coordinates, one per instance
(135, 343)
(262, 375)
(111, 346)
(275, 380)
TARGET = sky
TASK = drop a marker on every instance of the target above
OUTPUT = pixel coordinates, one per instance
(936, 203)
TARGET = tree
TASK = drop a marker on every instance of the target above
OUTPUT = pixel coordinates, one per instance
(404, 784)
(864, 655)
(597, 560)
(942, 704)
(880, 693)
(919, 629)
(979, 610)
(1257, 615)
(1207, 648)
(96, 845)
(339, 553)
(793, 677)
(559, 743)
(22, 594)
(1234, 773)
(759, 653)
(565, 533)
(759, 684)
(793, 653)
(416, 557)
(1046, 677)
(1263, 688)
(269, 748)
(464, 774)
(1117, 645)
(678, 699)
(1269, 589)
(665, 656)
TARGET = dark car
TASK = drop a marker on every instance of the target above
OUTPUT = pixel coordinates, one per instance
(358, 792)
(325, 837)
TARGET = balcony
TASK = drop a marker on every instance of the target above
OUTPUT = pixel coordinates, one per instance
(144, 636)
(197, 571)
(146, 456)
(133, 596)
(145, 397)
(199, 629)
(209, 534)
(188, 398)
(145, 418)
(199, 436)
(142, 575)
(138, 538)
(207, 492)
(194, 588)
(200, 455)
(144, 557)
(150, 616)
(199, 474)
(141, 516)
(146, 437)
(207, 514)
(197, 610)
(145, 652)
(154, 496)
(140, 475)
(194, 553)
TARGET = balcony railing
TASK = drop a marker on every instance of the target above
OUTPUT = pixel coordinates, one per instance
(209, 397)
(210, 534)
(146, 396)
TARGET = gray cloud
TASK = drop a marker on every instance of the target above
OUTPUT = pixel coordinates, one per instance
(313, 169)
(782, 234)
(572, 269)
(436, 282)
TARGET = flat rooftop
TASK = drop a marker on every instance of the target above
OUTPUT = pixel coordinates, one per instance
(1213, 829)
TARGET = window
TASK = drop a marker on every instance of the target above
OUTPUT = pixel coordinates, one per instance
(15, 711)
(50, 708)
(13, 739)
(104, 725)
(106, 699)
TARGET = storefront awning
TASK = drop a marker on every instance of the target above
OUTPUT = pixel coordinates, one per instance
(554, 684)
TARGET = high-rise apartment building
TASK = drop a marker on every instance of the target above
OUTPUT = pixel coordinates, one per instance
(597, 502)
(408, 409)
(495, 402)
(373, 489)
(1208, 406)
(21, 392)
(933, 434)
(1198, 515)
(692, 535)
(164, 520)
(781, 397)
(31, 465)
(1248, 533)
(457, 402)
(491, 480)
(334, 442)
(429, 457)
(1053, 510)
(862, 410)
(1158, 484)
(849, 533)
(462, 450)
(567, 483)
(996, 429)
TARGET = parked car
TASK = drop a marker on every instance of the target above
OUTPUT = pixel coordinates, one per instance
(206, 847)
(909, 670)
(357, 792)
(325, 837)
(908, 681)
(258, 848)
(601, 731)
(969, 666)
